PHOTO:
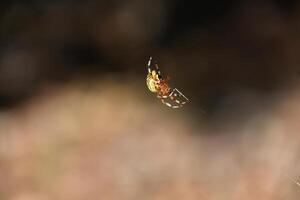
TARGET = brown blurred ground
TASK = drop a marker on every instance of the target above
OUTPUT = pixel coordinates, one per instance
(111, 142)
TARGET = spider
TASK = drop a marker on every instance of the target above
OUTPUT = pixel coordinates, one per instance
(171, 97)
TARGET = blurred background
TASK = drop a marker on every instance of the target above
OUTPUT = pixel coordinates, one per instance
(78, 122)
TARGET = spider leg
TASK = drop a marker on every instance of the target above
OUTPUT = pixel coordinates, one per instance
(174, 97)
(178, 103)
(163, 98)
(180, 94)
(168, 104)
(157, 69)
(149, 63)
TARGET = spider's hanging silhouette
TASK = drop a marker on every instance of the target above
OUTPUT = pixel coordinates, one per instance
(171, 97)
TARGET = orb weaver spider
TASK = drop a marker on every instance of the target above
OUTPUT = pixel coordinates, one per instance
(171, 97)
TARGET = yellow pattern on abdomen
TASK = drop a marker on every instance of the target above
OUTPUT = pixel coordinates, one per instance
(151, 83)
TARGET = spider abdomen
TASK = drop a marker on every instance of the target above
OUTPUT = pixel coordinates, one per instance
(151, 84)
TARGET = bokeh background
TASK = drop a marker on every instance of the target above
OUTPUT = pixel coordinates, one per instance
(77, 121)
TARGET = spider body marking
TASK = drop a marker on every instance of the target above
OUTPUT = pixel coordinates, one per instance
(171, 97)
